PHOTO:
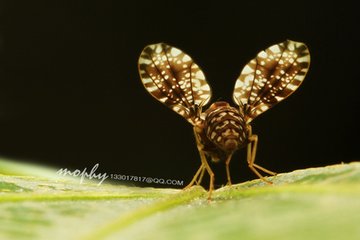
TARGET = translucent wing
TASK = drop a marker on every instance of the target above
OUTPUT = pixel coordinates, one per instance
(172, 77)
(272, 76)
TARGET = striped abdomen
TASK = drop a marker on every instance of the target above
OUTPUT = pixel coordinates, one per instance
(225, 127)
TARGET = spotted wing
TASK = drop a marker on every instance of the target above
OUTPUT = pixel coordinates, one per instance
(271, 76)
(172, 77)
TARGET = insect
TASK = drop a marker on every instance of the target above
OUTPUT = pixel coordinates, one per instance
(173, 78)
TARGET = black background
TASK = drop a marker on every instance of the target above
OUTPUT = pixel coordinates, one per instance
(70, 94)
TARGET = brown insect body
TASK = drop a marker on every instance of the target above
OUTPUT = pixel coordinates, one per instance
(222, 131)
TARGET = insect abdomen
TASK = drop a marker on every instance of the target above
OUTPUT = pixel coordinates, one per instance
(225, 127)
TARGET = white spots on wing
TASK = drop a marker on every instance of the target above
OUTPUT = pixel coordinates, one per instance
(239, 84)
(248, 79)
(264, 108)
(247, 69)
(142, 72)
(205, 97)
(158, 48)
(152, 46)
(291, 87)
(175, 52)
(278, 98)
(305, 58)
(143, 60)
(281, 66)
(178, 109)
(173, 78)
(291, 46)
(297, 44)
(200, 75)
(299, 77)
(186, 58)
(205, 87)
(163, 99)
(146, 80)
(275, 48)
(152, 88)
(263, 54)
(253, 95)
(166, 74)
(196, 83)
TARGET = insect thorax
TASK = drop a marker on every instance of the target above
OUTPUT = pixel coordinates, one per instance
(223, 130)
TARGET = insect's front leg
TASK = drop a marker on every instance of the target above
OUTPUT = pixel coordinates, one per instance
(204, 166)
(251, 153)
(197, 179)
(210, 172)
(200, 172)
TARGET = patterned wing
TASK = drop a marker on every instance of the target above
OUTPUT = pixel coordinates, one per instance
(172, 77)
(272, 76)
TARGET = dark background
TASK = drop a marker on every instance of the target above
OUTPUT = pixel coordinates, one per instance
(70, 94)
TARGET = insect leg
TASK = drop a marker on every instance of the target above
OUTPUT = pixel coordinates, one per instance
(264, 169)
(200, 172)
(210, 172)
(204, 164)
(251, 153)
(227, 163)
(201, 176)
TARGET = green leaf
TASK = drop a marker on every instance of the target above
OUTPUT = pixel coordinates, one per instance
(316, 203)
